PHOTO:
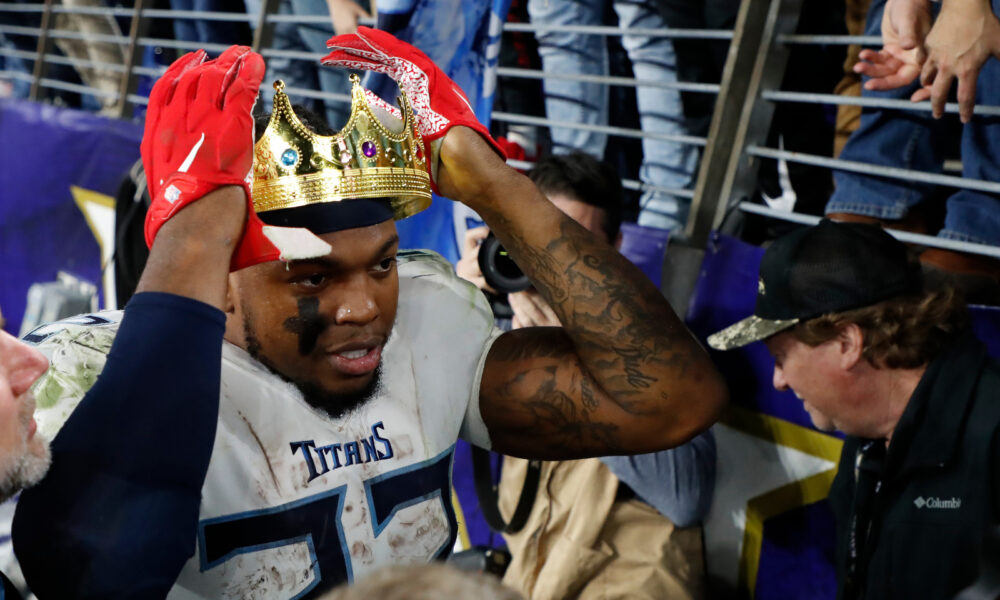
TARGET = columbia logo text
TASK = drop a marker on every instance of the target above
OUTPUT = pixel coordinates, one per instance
(932, 502)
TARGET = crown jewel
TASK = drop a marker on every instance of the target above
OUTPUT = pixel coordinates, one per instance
(366, 159)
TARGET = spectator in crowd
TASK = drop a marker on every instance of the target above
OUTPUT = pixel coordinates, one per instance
(334, 440)
(957, 43)
(103, 55)
(201, 31)
(309, 37)
(795, 126)
(13, 72)
(699, 60)
(849, 115)
(425, 582)
(841, 308)
(75, 46)
(24, 455)
(667, 164)
(640, 514)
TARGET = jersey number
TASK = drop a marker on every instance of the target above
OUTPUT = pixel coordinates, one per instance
(316, 520)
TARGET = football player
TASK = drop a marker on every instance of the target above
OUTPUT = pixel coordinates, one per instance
(350, 367)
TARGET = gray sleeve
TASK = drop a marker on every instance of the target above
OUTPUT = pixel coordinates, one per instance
(678, 482)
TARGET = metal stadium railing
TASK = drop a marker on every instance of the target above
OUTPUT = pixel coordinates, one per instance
(760, 44)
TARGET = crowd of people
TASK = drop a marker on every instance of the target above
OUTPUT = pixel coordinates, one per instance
(275, 411)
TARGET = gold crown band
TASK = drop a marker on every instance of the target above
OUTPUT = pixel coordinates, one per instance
(334, 186)
(294, 166)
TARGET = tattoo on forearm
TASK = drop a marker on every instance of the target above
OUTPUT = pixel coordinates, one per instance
(600, 306)
(633, 367)
(630, 345)
(587, 393)
(553, 412)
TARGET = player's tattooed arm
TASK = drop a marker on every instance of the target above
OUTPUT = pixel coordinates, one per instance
(539, 402)
(623, 375)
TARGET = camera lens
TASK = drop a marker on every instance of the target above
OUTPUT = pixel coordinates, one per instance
(499, 269)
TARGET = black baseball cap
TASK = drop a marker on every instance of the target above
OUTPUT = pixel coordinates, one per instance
(830, 267)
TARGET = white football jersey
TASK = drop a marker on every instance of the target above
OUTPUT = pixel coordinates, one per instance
(295, 502)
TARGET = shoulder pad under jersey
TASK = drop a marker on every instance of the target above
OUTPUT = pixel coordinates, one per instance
(77, 349)
(429, 279)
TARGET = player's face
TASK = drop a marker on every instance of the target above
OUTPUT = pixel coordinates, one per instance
(323, 323)
(24, 456)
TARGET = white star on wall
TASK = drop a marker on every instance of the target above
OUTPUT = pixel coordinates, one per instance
(99, 212)
(765, 466)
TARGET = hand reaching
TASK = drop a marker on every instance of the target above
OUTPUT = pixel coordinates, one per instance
(531, 310)
(345, 15)
(963, 38)
(905, 24)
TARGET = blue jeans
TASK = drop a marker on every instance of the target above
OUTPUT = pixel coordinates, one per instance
(306, 74)
(201, 30)
(914, 140)
(665, 164)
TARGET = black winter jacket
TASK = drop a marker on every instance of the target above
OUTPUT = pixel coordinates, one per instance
(938, 486)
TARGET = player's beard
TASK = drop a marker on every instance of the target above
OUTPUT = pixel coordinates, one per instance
(25, 465)
(334, 404)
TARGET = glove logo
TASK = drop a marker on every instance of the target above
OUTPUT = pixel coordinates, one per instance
(172, 194)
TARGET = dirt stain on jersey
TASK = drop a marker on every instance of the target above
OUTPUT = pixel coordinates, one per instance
(362, 553)
(287, 568)
(403, 446)
(423, 533)
(256, 438)
(300, 476)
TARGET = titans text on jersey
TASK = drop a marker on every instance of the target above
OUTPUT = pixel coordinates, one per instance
(343, 455)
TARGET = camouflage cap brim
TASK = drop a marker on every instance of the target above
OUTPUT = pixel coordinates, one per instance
(750, 329)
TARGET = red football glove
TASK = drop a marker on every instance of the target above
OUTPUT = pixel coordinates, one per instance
(438, 102)
(199, 137)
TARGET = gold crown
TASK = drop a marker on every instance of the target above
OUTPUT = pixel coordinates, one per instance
(294, 166)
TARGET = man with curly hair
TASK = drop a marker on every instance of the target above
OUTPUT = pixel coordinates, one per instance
(842, 309)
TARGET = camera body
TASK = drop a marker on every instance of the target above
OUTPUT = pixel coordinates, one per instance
(499, 269)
